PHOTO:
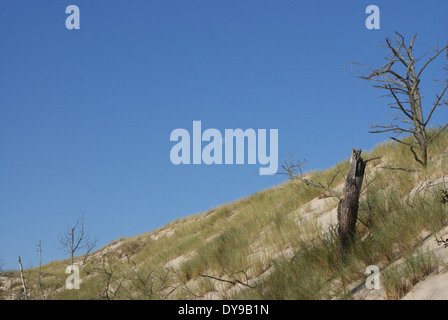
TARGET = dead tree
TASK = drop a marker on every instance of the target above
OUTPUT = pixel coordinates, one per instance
(76, 239)
(349, 204)
(401, 78)
(235, 280)
(25, 291)
(39, 272)
(348, 200)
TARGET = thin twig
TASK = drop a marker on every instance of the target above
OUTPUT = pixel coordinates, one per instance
(234, 282)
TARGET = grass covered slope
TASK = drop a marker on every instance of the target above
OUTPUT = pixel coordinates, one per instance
(280, 243)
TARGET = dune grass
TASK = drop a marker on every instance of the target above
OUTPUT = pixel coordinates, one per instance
(273, 237)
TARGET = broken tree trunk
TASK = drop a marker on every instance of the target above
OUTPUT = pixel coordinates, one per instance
(348, 205)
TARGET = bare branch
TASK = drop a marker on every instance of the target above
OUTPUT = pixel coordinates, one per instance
(402, 169)
(334, 177)
(436, 104)
(400, 104)
(402, 142)
(234, 282)
(294, 171)
(416, 157)
(431, 59)
(438, 133)
(372, 159)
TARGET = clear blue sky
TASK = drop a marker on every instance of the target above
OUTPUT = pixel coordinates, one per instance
(86, 115)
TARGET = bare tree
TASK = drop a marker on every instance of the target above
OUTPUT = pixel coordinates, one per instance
(77, 239)
(401, 78)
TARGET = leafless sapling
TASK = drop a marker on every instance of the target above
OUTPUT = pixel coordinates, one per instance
(76, 239)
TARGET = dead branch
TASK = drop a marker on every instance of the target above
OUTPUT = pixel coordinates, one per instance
(234, 282)
(294, 171)
(372, 159)
(334, 177)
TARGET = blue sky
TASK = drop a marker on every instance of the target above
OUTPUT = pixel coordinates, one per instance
(86, 115)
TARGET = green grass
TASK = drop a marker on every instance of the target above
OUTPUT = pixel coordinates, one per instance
(267, 232)
(398, 280)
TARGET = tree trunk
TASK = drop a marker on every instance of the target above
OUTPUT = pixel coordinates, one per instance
(348, 206)
(25, 291)
(424, 154)
(423, 148)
